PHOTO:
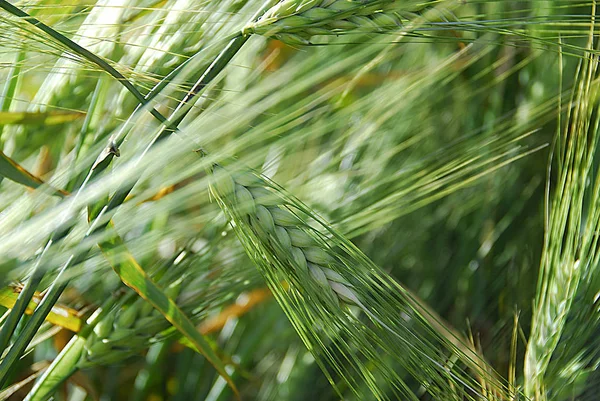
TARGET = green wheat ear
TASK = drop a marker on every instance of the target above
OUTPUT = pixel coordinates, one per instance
(125, 331)
(295, 22)
(322, 281)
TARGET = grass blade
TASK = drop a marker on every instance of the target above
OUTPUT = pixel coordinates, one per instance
(13, 171)
(19, 308)
(33, 325)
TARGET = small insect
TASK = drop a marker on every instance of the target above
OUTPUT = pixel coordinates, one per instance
(113, 149)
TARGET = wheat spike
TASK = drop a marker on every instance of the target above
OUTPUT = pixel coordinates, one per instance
(295, 22)
(126, 330)
(248, 197)
(278, 237)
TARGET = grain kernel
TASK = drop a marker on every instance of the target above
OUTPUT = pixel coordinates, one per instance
(105, 326)
(334, 276)
(283, 238)
(318, 275)
(265, 219)
(222, 181)
(299, 259)
(283, 217)
(247, 179)
(127, 317)
(300, 238)
(342, 5)
(245, 201)
(319, 13)
(318, 256)
(264, 197)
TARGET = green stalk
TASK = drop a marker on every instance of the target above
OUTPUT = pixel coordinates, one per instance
(8, 92)
(88, 118)
(18, 310)
(185, 104)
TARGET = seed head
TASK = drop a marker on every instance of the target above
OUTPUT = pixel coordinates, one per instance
(295, 22)
(126, 330)
(259, 211)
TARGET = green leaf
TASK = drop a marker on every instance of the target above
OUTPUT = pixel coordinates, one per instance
(62, 367)
(13, 171)
(38, 317)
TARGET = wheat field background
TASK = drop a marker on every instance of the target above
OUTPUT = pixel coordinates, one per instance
(299, 200)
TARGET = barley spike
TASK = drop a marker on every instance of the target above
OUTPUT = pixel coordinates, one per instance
(273, 223)
(295, 22)
(125, 331)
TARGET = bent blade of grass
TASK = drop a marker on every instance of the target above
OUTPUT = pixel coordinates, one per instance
(15, 172)
(132, 275)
